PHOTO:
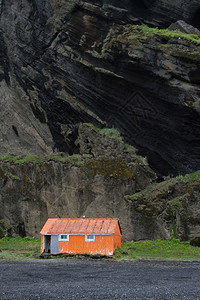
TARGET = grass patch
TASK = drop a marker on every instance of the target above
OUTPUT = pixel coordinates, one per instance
(132, 32)
(170, 34)
(111, 132)
(169, 249)
(115, 134)
(193, 177)
(75, 159)
(19, 248)
(21, 159)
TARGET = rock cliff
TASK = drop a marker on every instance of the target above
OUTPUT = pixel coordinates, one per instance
(96, 183)
(174, 204)
(91, 184)
(64, 63)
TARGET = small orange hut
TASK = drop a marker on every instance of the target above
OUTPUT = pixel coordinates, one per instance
(84, 235)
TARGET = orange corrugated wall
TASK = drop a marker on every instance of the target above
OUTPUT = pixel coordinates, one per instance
(103, 244)
(42, 238)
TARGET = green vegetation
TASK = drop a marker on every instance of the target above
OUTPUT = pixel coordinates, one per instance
(5, 175)
(170, 249)
(170, 34)
(4, 228)
(155, 192)
(115, 134)
(74, 159)
(21, 159)
(12, 176)
(166, 40)
(132, 32)
(109, 167)
(187, 54)
(193, 177)
(111, 132)
(19, 248)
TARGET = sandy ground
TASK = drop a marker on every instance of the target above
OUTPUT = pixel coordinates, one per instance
(88, 279)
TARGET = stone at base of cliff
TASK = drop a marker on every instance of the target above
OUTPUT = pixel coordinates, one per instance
(184, 27)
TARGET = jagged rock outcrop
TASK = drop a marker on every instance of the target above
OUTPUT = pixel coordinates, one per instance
(58, 69)
(173, 203)
(184, 27)
(72, 186)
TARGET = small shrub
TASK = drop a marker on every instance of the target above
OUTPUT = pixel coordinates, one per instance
(119, 253)
(195, 242)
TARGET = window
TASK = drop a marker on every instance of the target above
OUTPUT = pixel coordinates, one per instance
(89, 238)
(64, 237)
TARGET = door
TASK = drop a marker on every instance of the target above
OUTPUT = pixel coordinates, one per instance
(46, 244)
(54, 244)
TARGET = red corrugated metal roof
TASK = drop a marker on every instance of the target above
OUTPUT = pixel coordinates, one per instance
(80, 226)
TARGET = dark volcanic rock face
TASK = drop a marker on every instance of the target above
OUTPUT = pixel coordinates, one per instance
(92, 184)
(60, 66)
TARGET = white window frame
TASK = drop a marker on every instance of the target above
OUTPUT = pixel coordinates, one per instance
(63, 239)
(89, 239)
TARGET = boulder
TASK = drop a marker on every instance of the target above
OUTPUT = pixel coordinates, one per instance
(184, 27)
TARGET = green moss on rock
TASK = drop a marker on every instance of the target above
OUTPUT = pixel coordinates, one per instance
(195, 242)
(111, 132)
(132, 32)
(5, 228)
(34, 159)
(173, 42)
(112, 168)
(12, 176)
(21, 159)
(187, 55)
(2, 174)
(75, 159)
